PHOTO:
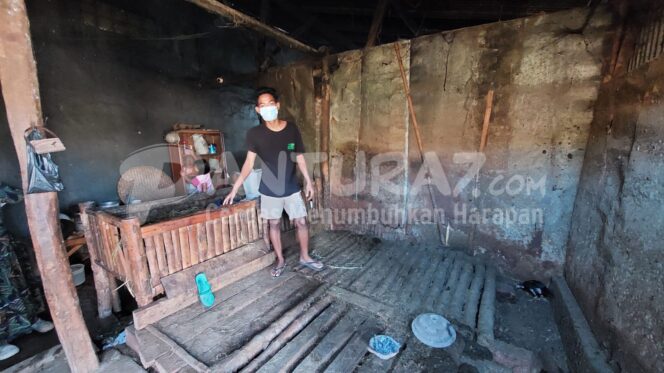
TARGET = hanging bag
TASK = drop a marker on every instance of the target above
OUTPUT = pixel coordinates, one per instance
(43, 174)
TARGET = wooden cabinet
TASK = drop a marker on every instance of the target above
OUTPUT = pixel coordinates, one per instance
(186, 148)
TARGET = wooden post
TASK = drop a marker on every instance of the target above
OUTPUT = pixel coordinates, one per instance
(376, 23)
(140, 274)
(101, 277)
(20, 90)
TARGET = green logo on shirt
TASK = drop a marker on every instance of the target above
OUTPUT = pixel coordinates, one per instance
(291, 146)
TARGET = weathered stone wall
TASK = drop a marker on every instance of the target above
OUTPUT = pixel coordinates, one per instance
(545, 71)
(615, 261)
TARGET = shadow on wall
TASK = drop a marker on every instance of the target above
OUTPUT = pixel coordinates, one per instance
(615, 261)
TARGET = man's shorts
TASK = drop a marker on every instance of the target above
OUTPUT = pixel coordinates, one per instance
(273, 207)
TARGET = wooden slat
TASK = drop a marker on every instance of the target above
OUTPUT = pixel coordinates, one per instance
(253, 225)
(171, 260)
(184, 247)
(108, 218)
(238, 229)
(193, 244)
(201, 239)
(218, 240)
(331, 344)
(232, 232)
(151, 254)
(162, 262)
(244, 229)
(175, 239)
(169, 305)
(225, 234)
(201, 217)
(289, 353)
(209, 237)
(182, 282)
(181, 352)
(117, 250)
(105, 246)
(259, 221)
(352, 353)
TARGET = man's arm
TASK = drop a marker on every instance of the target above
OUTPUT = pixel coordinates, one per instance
(302, 165)
(247, 167)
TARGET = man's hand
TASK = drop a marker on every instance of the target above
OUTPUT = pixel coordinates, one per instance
(229, 198)
(309, 192)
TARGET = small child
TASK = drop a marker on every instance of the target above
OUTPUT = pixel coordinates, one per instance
(188, 173)
(203, 181)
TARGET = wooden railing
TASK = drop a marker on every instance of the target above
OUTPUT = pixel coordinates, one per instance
(140, 256)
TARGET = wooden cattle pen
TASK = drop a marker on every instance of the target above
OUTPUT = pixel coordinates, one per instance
(139, 245)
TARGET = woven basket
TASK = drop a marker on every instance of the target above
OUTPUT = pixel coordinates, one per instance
(145, 183)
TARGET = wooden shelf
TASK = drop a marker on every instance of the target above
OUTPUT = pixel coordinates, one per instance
(178, 152)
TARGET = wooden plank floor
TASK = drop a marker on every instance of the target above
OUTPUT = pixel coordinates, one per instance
(413, 278)
(367, 287)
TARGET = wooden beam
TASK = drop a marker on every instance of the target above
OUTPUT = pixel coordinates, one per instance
(240, 18)
(376, 23)
(20, 90)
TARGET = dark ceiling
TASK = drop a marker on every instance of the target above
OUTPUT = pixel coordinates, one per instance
(345, 24)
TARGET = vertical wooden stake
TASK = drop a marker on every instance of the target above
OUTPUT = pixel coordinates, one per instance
(20, 90)
(101, 278)
(487, 118)
(325, 135)
(133, 243)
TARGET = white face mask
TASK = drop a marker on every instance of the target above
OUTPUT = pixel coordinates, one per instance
(269, 113)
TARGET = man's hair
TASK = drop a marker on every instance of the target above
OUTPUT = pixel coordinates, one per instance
(267, 90)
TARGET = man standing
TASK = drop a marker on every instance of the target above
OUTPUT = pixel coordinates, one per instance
(279, 146)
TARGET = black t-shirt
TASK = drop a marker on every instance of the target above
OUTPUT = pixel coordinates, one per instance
(277, 151)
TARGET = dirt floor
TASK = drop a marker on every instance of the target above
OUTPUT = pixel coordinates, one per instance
(529, 323)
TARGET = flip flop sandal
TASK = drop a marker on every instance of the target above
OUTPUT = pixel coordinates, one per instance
(277, 271)
(204, 290)
(313, 265)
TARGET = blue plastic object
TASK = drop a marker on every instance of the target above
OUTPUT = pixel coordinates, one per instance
(384, 346)
(204, 290)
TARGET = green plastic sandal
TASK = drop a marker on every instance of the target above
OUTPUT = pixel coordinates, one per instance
(204, 290)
